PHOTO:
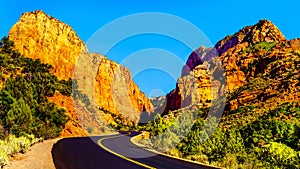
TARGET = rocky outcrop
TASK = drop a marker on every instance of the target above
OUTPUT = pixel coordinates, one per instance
(116, 92)
(263, 31)
(243, 56)
(157, 102)
(110, 87)
(196, 89)
(73, 127)
(39, 36)
(196, 58)
(108, 84)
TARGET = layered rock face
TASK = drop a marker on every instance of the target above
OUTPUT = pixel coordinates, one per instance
(244, 56)
(108, 84)
(228, 49)
(196, 88)
(110, 87)
(39, 36)
(116, 92)
(263, 31)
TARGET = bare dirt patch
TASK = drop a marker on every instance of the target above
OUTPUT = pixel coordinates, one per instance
(37, 157)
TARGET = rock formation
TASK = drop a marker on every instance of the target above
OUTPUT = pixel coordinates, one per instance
(116, 91)
(195, 88)
(245, 55)
(39, 36)
(73, 127)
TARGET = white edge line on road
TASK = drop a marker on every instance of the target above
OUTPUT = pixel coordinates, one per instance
(121, 156)
(177, 158)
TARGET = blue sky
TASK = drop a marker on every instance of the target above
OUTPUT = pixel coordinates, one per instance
(215, 19)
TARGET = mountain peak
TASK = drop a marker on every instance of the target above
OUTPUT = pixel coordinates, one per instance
(263, 31)
(40, 36)
(35, 15)
(37, 12)
(265, 22)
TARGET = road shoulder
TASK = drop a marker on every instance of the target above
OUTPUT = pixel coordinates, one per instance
(38, 156)
(134, 141)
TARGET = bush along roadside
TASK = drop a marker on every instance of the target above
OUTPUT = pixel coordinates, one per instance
(269, 141)
(25, 111)
(12, 145)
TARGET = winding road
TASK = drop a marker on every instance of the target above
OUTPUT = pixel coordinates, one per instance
(111, 152)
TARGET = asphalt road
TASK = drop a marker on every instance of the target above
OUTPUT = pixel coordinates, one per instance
(85, 153)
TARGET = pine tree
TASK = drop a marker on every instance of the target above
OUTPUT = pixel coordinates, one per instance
(19, 118)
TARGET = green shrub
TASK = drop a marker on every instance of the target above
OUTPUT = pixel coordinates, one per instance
(280, 155)
(23, 144)
(24, 107)
(202, 158)
(65, 87)
(165, 141)
(175, 152)
(260, 46)
(17, 145)
(13, 144)
(3, 157)
(32, 138)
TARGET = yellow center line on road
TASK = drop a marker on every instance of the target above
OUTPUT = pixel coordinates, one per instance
(121, 156)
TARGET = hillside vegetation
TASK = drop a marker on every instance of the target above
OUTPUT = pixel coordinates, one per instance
(260, 126)
(25, 111)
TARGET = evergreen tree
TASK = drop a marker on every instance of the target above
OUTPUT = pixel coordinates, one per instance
(19, 118)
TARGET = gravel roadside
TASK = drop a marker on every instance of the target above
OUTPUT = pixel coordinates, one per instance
(37, 157)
